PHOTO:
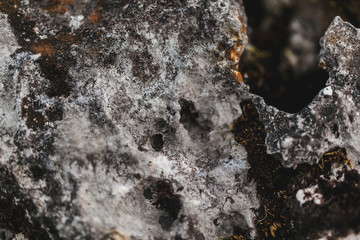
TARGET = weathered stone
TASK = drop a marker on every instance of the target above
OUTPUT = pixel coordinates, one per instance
(120, 120)
(116, 115)
(331, 120)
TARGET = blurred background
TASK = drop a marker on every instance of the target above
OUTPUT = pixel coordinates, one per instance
(281, 61)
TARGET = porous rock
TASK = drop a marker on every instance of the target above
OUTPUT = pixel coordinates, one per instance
(116, 117)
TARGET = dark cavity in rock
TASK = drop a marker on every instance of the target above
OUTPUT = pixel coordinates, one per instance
(161, 194)
(157, 142)
(197, 127)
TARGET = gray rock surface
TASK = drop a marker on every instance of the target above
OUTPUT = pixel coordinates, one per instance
(116, 118)
(119, 119)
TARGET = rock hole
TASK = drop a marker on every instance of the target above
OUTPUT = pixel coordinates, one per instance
(161, 194)
(157, 142)
(351, 118)
(37, 172)
(148, 193)
(335, 130)
(197, 127)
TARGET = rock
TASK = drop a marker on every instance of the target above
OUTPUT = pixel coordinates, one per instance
(331, 120)
(116, 117)
(130, 120)
(306, 165)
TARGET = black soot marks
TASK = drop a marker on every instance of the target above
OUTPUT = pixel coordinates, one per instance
(234, 223)
(55, 112)
(335, 130)
(157, 142)
(23, 26)
(161, 194)
(197, 127)
(143, 67)
(280, 215)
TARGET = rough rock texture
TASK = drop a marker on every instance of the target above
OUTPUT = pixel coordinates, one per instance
(306, 169)
(116, 115)
(116, 119)
(332, 119)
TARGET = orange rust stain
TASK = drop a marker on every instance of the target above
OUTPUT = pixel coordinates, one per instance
(95, 17)
(58, 6)
(45, 49)
(238, 77)
(52, 46)
(241, 20)
(236, 51)
(235, 54)
(9, 5)
(232, 55)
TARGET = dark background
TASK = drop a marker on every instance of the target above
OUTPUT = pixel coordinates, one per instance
(281, 61)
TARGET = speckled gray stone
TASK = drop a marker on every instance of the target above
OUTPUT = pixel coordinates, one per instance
(119, 118)
(115, 118)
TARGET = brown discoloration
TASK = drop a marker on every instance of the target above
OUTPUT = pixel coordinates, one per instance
(37, 115)
(34, 117)
(58, 76)
(55, 71)
(9, 5)
(58, 6)
(237, 50)
(52, 46)
(51, 49)
(96, 16)
(45, 49)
